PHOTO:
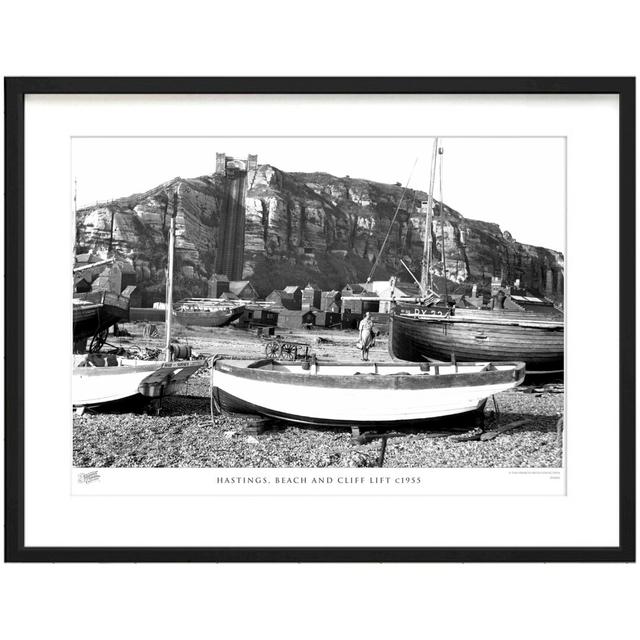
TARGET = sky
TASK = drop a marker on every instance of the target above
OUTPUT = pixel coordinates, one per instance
(518, 183)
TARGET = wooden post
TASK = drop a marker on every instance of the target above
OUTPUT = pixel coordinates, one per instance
(169, 301)
(383, 450)
(496, 408)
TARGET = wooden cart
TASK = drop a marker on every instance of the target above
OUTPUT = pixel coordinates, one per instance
(281, 349)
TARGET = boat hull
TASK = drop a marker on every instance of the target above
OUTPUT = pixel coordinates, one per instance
(208, 318)
(417, 339)
(366, 395)
(97, 311)
(97, 385)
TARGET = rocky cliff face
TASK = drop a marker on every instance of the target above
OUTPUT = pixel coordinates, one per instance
(301, 227)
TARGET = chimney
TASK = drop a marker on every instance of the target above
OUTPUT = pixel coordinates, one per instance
(221, 163)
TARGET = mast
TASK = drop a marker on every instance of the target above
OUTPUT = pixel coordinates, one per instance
(75, 219)
(425, 279)
(110, 249)
(444, 258)
(169, 300)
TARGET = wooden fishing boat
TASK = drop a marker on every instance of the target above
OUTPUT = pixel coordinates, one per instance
(426, 332)
(94, 312)
(207, 312)
(119, 378)
(417, 336)
(360, 394)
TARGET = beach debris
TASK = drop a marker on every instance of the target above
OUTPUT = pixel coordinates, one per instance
(143, 353)
(255, 425)
(360, 459)
(490, 435)
(474, 434)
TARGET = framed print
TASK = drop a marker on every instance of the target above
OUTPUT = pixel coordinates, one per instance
(320, 319)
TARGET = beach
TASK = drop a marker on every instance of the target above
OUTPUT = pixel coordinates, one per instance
(188, 433)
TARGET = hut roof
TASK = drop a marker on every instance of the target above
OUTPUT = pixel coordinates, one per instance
(218, 277)
(283, 294)
(291, 289)
(295, 312)
(129, 290)
(85, 258)
(238, 286)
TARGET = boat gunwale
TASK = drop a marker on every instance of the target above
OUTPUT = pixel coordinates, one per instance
(219, 316)
(145, 366)
(552, 325)
(373, 380)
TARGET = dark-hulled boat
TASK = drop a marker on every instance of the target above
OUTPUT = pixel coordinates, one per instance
(363, 394)
(207, 312)
(96, 311)
(417, 335)
(422, 332)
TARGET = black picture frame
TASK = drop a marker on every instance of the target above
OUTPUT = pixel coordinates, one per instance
(15, 91)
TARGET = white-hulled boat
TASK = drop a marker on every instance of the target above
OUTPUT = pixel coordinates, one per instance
(367, 394)
(125, 377)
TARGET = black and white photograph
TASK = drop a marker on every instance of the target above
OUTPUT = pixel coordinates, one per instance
(316, 302)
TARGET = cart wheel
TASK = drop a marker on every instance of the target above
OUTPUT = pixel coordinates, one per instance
(272, 349)
(289, 351)
(98, 340)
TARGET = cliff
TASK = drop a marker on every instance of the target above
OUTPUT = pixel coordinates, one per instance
(301, 227)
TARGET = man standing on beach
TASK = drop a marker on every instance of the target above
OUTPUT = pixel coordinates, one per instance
(366, 335)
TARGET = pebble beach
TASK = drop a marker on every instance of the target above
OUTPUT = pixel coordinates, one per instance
(188, 434)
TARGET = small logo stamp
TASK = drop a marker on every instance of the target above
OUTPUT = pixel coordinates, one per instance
(88, 477)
